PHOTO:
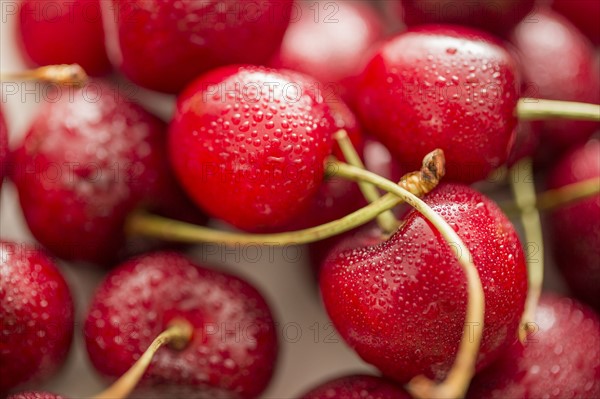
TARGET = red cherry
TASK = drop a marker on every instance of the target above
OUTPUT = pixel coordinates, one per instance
(35, 395)
(3, 149)
(329, 41)
(36, 316)
(496, 16)
(249, 144)
(442, 87)
(558, 64)
(234, 345)
(63, 33)
(88, 160)
(401, 303)
(560, 360)
(165, 45)
(576, 227)
(357, 387)
(582, 13)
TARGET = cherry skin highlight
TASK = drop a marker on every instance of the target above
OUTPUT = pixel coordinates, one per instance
(583, 14)
(85, 165)
(560, 360)
(3, 149)
(36, 316)
(357, 386)
(165, 45)
(400, 303)
(233, 349)
(575, 227)
(495, 16)
(553, 69)
(249, 144)
(442, 87)
(329, 41)
(63, 33)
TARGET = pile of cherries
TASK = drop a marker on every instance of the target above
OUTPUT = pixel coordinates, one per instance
(269, 96)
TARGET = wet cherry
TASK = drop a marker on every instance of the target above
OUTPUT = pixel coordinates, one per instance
(400, 303)
(249, 144)
(496, 16)
(35, 395)
(234, 345)
(36, 316)
(575, 227)
(88, 160)
(442, 87)
(330, 41)
(165, 45)
(561, 359)
(63, 33)
(554, 69)
(357, 386)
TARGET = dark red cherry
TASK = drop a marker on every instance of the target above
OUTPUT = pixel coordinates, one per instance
(36, 316)
(401, 303)
(357, 386)
(575, 227)
(496, 16)
(584, 14)
(70, 32)
(165, 45)
(330, 40)
(3, 149)
(35, 395)
(442, 87)
(249, 144)
(233, 348)
(558, 63)
(88, 160)
(561, 358)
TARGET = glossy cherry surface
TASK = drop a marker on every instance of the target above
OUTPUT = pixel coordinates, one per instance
(575, 227)
(165, 45)
(330, 40)
(584, 14)
(558, 63)
(442, 87)
(3, 149)
(560, 360)
(36, 316)
(88, 160)
(357, 386)
(35, 395)
(401, 303)
(249, 144)
(234, 345)
(71, 32)
(496, 16)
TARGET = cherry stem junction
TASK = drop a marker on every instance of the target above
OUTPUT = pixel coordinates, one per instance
(524, 191)
(530, 109)
(386, 220)
(419, 183)
(64, 74)
(177, 335)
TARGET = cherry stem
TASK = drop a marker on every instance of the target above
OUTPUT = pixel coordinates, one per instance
(387, 221)
(559, 197)
(524, 191)
(177, 335)
(64, 74)
(419, 183)
(529, 109)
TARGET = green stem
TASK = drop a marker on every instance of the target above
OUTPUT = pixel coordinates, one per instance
(418, 183)
(535, 109)
(386, 220)
(525, 197)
